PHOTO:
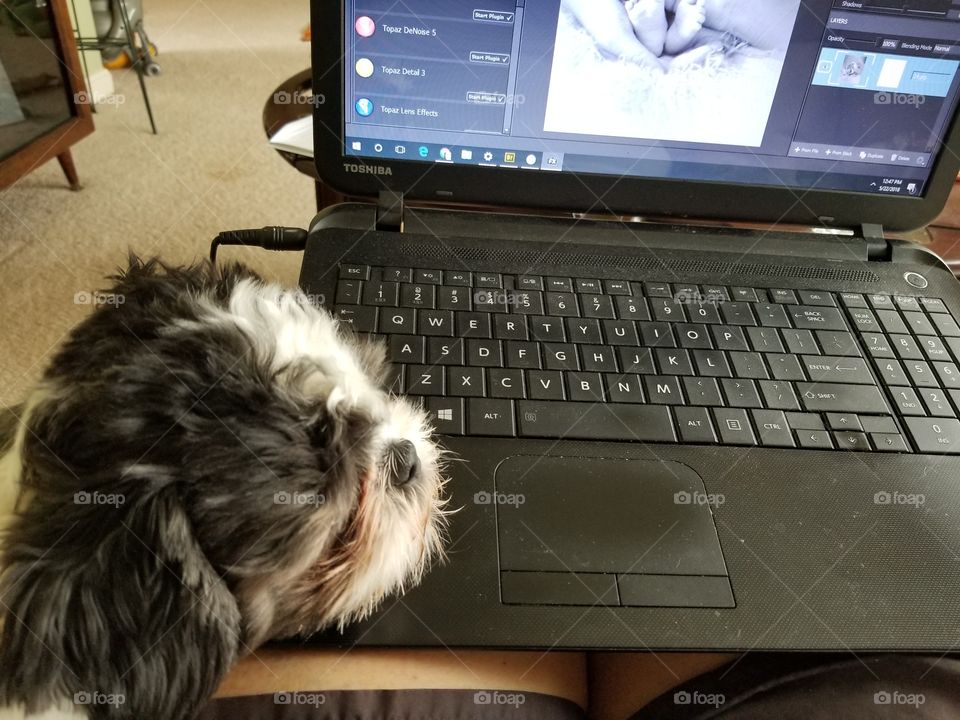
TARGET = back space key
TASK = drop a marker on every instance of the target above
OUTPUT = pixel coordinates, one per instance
(834, 397)
(602, 421)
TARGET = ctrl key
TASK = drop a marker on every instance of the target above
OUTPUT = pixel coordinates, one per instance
(491, 417)
(935, 435)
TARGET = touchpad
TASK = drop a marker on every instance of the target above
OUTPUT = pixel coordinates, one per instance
(621, 526)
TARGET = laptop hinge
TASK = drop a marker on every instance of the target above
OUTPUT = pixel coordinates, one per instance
(878, 247)
(390, 211)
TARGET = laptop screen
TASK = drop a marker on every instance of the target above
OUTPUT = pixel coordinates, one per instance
(852, 95)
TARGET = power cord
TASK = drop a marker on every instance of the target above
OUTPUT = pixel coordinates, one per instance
(272, 237)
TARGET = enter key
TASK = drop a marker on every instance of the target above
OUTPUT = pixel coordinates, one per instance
(831, 368)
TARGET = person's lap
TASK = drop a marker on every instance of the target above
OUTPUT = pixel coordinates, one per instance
(300, 684)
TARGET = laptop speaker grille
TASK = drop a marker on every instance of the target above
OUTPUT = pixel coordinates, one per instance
(496, 258)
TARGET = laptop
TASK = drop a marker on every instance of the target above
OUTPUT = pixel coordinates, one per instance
(697, 397)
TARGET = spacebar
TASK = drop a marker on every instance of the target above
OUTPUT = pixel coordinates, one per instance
(601, 421)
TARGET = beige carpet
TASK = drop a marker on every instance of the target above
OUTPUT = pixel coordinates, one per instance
(209, 169)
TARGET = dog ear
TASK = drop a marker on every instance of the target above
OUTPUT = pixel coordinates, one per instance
(112, 607)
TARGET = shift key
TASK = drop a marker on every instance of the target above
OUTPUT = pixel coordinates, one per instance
(833, 397)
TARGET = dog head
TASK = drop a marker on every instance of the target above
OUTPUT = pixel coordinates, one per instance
(208, 463)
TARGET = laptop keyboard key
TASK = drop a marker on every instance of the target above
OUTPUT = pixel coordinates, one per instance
(505, 383)
(838, 343)
(491, 417)
(702, 391)
(484, 353)
(748, 365)
(510, 327)
(831, 397)
(398, 320)
(695, 426)
(361, 318)
(348, 292)
(772, 428)
(636, 360)
(623, 388)
(734, 426)
(711, 363)
(889, 442)
(786, 367)
(445, 351)
(906, 401)
(597, 306)
(434, 322)
(817, 318)
(584, 387)
(631, 308)
(741, 393)
(562, 304)
(424, 380)
(408, 349)
(815, 439)
(545, 385)
(778, 395)
(472, 325)
(729, 338)
(579, 421)
(446, 415)
(663, 390)
(381, 293)
(855, 441)
(827, 368)
(935, 435)
(561, 356)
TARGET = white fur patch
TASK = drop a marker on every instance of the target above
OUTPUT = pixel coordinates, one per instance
(65, 711)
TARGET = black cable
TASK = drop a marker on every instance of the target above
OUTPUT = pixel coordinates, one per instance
(272, 237)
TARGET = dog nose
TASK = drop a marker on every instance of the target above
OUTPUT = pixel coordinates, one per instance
(406, 462)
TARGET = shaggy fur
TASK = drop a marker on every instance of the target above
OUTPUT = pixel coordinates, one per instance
(207, 464)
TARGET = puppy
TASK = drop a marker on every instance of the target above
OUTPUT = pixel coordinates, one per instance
(208, 463)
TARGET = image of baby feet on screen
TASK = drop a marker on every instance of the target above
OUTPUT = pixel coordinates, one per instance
(701, 71)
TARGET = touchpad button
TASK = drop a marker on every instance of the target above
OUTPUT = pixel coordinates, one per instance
(586, 515)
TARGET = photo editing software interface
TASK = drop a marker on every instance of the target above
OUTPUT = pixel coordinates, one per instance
(851, 95)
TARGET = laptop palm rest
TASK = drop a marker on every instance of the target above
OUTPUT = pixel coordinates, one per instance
(597, 531)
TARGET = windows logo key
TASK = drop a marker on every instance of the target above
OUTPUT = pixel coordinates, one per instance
(446, 414)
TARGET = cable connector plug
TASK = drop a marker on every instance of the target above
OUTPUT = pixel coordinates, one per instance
(271, 237)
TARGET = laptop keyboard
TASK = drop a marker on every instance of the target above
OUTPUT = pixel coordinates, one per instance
(500, 355)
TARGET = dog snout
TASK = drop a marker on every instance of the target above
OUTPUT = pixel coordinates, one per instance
(406, 463)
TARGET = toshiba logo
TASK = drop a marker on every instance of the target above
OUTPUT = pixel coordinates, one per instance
(367, 169)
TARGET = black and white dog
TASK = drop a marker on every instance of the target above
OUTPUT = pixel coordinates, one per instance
(207, 464)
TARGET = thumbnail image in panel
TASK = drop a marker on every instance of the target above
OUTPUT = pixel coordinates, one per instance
(703, 71)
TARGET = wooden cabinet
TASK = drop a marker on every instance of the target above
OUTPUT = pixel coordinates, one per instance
(44, 105)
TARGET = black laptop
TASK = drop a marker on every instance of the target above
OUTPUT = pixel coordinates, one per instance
(699, 399)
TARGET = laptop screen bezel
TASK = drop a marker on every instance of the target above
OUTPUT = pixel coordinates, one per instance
(683, 200)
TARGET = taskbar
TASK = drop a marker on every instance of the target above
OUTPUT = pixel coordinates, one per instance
(874, 180)
(455, 154)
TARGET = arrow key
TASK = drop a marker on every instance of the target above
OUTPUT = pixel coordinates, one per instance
(815, 439)
(844, 421)
(852, 441)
